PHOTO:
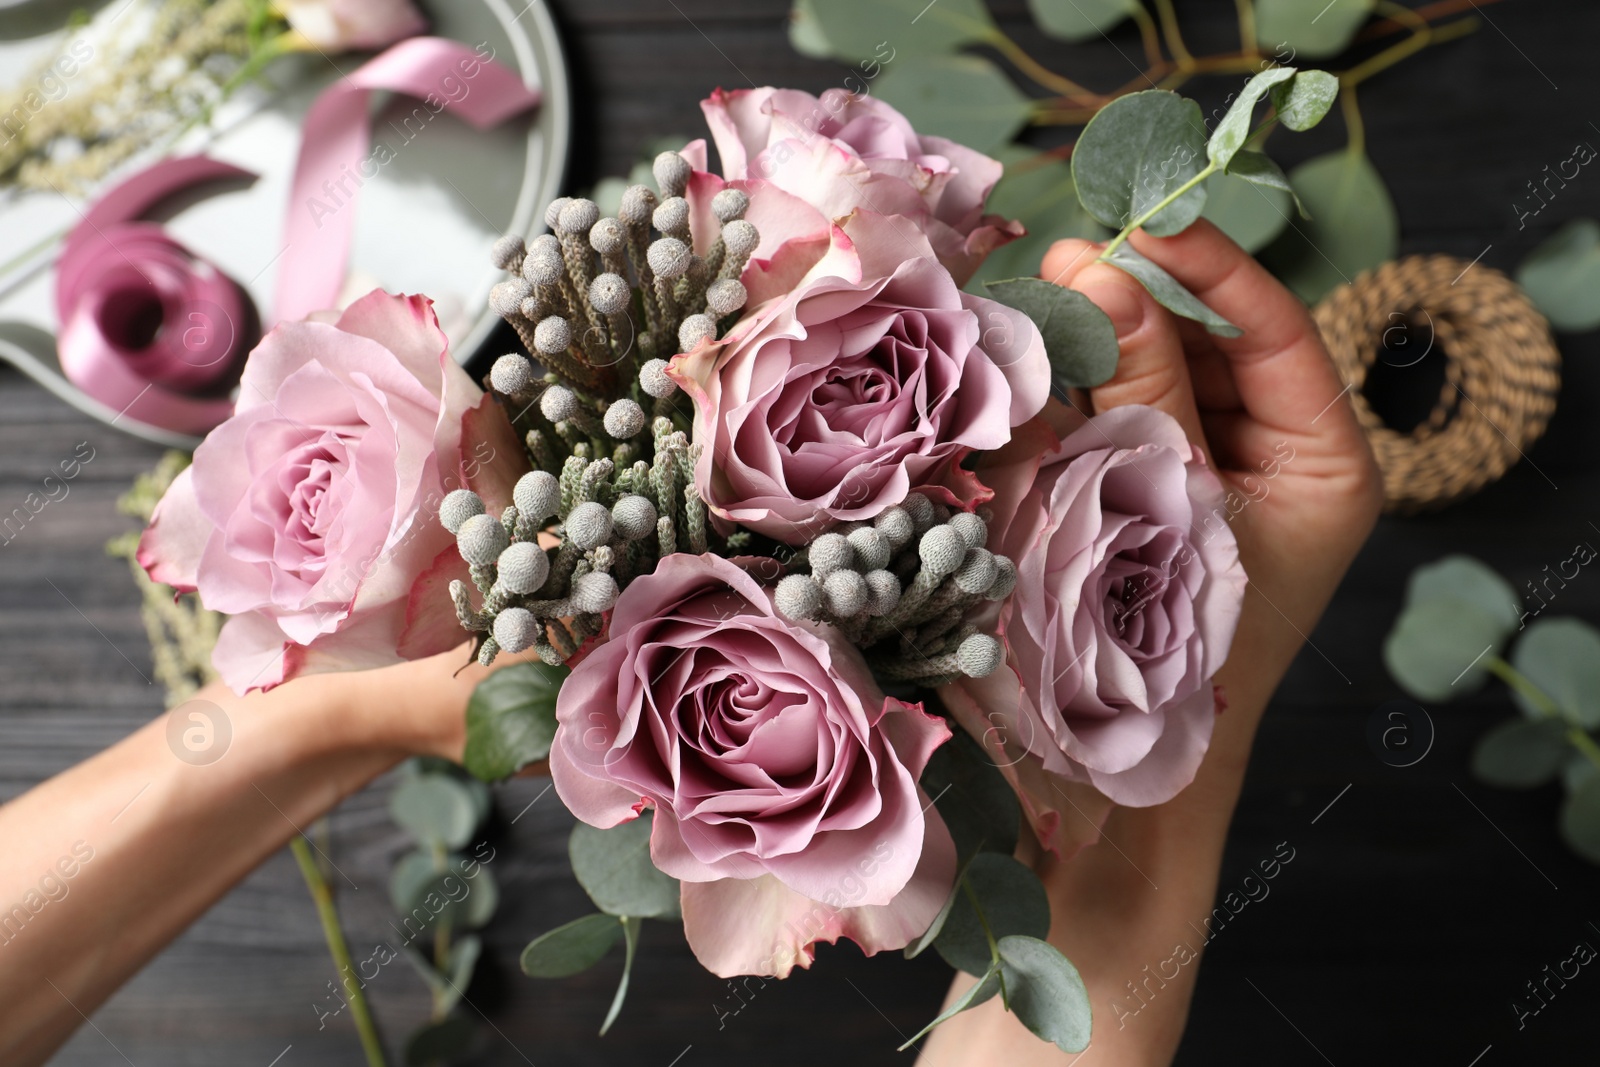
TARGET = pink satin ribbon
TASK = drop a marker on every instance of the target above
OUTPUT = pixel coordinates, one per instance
(147, 327)
(327, 178)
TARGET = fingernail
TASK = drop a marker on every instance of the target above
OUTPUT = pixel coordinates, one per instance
(1121, 305)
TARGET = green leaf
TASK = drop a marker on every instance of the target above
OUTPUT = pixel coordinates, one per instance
(976, 994)
(614, 868)
(1137, 151)
(1562, 657)
(410, 879)
(1307, 27)
(449, 1040)
(1079, 20)
(511, 719)
(1169, 292)
(920, 944)
(435, 809)
(965, 98)
(1303, 102)
(1037, 190)
(1578, 770)
(913, 28)
(461, 962)
(1013, 902)
(1580, 820)
(1234, 129)
(1353, 226)
(805, 32)
(630, 931)
(1045, 992)
(1079, 339)
(571, 948)
(468, 902)
(1252, 214)
(972, 796)
(1257, 169)
(1465, 579)
(1436, 649)
(1562, 276)
(1520, 754)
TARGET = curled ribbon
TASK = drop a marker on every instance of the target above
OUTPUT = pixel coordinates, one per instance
(147, 327)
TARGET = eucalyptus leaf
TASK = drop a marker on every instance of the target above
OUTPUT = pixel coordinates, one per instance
(805, 34)
(976, 994)
(462, 900)
(1234, 129)
(1138, 150)
(1561, 657)
(1251, 214)
(1013, 902)
(1436, 648)
(1079, 339)
(1580, 820)
(1308, 27)
(1353, 225)
(1169, 292)
(915, 29)
(972, 796)
(630, 933)
(435, 808)
(614, 868)
(1520, 754)
(1303, 102)
(1469, 580)
(462, 961)
(1079, 20)
(964, 98)
(1578, 770)
(1257, 169)
(1562, 276)
(511, 719)
(1045, 992)
(571, 948)
(1037, 190)
(450, 1040)
(920, 944)
(410, 879)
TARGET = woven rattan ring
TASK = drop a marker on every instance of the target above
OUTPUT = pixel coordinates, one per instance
(1502, 372)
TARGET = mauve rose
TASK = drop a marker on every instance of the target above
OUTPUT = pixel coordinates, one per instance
(344, 25)
(843, 152)
(311, 514)
(784, 782)
(1128, 590)
(875, 376)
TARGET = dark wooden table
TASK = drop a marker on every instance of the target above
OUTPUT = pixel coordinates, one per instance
(1417, 904)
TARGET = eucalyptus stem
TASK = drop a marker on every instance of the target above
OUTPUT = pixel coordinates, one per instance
(1169, 26)
(1037, 72)
(1148, 35)
(1247, 27)
(1111, 246)
(322, 897)
(1355, 128)
(1421, 34)
(988, 935)
(1546, 707)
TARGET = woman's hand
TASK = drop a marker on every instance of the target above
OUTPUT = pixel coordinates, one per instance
(1270, 413)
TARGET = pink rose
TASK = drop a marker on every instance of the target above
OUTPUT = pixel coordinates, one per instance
(311, 513)
(873, 377)
(1128, 590)
(347, 25)
(784, 782)
(843, 152)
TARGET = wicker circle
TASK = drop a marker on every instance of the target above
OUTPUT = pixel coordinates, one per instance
(1502, 372)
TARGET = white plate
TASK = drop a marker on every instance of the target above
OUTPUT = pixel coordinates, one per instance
(425, 221)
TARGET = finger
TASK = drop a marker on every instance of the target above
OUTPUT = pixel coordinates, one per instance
(1065, 259)
(1151, 368)
(1283, 374)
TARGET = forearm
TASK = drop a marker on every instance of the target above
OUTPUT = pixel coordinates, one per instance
(152, 841)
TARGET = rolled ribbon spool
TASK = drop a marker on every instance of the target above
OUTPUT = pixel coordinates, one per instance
(147, 327)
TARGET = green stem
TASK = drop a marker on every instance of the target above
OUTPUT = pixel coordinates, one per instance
(1037, 72)
(1147, 33)
(322, 897)
(1247, 27)
(1169, 26)
(1355, 129)
(1545, 706)
(1112, 245)
(988, 934)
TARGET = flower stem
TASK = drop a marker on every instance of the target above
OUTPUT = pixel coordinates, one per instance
(1546, 707)
(322, 897)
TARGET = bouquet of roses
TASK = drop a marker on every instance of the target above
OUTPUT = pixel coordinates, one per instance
(808, 576)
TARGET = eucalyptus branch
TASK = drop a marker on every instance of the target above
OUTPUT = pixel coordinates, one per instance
(988, 935)
(1546, 707)
(1169, 27)
(1148, 35)
(322, 897)
(1037, 72)
(1247, 27)
(1355, 128)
